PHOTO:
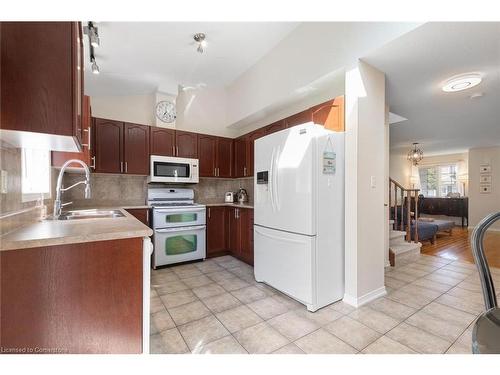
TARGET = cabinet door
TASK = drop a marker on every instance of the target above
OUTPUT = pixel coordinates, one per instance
(161, 141)
(207, 150)
(240, 157)
(135, 149)
(59, 157)
(250, 149)
(41, 86)
(299, 118)
(108, 146)
(186, 144)
(224, 157)
(330, 114)
(216, 230)
(246, 230)
(276, 126)
(141, 214)
(234, 231)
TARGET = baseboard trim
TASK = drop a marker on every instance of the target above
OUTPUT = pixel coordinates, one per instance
(363, 300)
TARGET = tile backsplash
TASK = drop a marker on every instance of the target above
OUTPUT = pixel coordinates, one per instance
(125, 190)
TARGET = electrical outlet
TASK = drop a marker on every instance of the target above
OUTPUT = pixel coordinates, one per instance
(3, 182)
(373, 182)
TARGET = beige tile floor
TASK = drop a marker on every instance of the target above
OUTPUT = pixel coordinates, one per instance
(216, 306)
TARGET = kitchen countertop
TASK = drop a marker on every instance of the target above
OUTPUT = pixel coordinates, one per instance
(238, 205)
(61, 232)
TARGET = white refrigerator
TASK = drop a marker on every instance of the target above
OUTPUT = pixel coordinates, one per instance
(299, 213)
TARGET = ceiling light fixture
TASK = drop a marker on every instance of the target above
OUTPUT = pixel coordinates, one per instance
(95, 67)
(202, 43)
(462, 82)
(94, 41)
(415, 155)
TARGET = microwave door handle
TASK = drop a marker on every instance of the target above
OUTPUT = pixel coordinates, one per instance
(180, 229)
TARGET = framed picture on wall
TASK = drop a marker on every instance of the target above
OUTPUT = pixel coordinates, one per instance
(485, 179)
(485, 168)
(485, 189)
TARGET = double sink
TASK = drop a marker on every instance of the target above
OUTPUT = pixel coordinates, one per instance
(90, 214)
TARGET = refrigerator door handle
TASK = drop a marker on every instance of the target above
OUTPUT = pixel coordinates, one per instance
(275, 178)
(271, 181)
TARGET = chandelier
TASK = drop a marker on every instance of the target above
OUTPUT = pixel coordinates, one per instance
(415, 155)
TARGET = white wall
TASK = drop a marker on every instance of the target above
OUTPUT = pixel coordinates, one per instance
(311, 51)
(366, 143)
(203, 110)
(400, 168)
(138, 109)
(482, 204)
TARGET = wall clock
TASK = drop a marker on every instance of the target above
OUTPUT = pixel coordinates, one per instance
(165, 111)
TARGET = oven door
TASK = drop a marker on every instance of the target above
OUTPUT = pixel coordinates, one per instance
(175, 245)
(172, 169)
(178, 217)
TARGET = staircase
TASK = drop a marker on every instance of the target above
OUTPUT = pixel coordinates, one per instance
(401, 251)
(403, 237)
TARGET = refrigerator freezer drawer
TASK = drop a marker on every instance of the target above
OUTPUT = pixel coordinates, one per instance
(284, 260)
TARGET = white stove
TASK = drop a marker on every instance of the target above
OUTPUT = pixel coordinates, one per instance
(179, 226)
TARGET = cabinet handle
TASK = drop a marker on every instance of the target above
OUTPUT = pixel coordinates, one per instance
(93, 162)
(147, 216)
(126, 167)
(235, 213)
(173, 150)
(244, 171)
(209, 212)
(218, 172)
(88, 144)
(215, 172)
(177, 150)
(121, 167)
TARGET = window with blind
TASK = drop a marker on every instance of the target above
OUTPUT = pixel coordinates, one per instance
(438, 180)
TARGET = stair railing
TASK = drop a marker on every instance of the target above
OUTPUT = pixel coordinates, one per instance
(407, 198)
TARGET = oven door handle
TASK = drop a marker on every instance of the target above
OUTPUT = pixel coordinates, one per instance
(174, 210)
(180, 229)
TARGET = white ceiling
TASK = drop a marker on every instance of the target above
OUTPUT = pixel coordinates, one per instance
(417, 63)
(143, 57)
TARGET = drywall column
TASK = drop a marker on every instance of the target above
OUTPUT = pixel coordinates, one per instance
(365, 154)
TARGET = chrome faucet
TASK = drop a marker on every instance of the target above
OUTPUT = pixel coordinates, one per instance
(58, 205)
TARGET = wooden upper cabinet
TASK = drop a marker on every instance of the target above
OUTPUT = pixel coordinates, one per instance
(108, 146)
(42, 81)
(275, 126)
(299, 118)
(330, 114)
(135, 149)
(162, 141)
(240, 157)
(224, 157)
(216, 230)
(207, 151)
(59, 157)
(186, 144)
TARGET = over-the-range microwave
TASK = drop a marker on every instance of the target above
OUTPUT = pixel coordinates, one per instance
(171, 169)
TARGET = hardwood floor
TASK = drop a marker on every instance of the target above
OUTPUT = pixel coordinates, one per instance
(457, 246)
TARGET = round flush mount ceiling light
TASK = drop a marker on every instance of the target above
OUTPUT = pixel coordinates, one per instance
(462, 82)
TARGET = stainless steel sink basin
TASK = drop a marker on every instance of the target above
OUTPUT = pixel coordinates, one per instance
(90, 214)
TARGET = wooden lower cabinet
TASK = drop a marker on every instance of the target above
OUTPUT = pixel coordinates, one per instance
(216, 231)
(75, 298)
(230, 231)
(141, 214)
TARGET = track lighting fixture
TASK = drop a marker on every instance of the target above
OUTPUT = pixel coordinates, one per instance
(95, 67)
(94, 41)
